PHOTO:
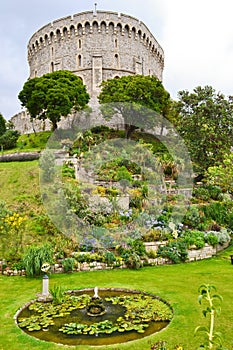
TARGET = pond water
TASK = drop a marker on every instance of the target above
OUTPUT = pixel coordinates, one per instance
(113, 312)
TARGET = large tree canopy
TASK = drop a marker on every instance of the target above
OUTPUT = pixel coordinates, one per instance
(205, 121)
(54, 95)
(125, 94)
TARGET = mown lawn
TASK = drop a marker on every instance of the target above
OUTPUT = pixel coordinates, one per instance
(178, 284)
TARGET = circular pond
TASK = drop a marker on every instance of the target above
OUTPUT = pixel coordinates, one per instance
(128, 315)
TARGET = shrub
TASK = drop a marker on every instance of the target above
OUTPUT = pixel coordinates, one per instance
(9, 139)
(132, 260)
(193, 237)
(215, 192)
(175, 251)
(109, 258)
(138, 247)
(216, 211)
(222, 236)
(201, 193)
(68, 264)
(211, 239)
(192, 217)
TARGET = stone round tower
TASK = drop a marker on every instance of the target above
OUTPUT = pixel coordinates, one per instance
(95, 46)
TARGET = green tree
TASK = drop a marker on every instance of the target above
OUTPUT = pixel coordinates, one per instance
(9, 139)
(53, 95)
(205, 122)
(2, 125)
(134, 97)
(222, 174)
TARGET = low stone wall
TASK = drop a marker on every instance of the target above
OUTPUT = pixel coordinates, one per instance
(206, 252)
(20, 156)
(193, 254)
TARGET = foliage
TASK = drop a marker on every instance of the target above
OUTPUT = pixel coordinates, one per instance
(221, 236)
(193, 237)
(68, 264)
(2, 125)
(9, 139)
(43, 314)
(12, 226)
(222, 174)
(205, 122)
(109, 258)
(35, 256)
(124, 95)
(175, 251)
(132, 259)
(57, 293)
(140, 310)
(47, 166)
(138, 247)
(162, 345)
(192, 217)
(33, 141)
(207, 293)
(53, 95)
(217, 211)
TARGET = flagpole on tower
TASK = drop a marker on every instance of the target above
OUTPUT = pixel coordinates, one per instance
(95, 9)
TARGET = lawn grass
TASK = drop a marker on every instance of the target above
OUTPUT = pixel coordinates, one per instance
(178, 284)
(19, 185)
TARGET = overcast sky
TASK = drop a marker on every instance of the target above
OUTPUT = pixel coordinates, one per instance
(196, 35)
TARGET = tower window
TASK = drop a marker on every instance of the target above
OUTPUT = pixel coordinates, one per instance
(79, 61)
(116, 60)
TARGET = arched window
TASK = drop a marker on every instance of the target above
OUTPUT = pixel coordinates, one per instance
(52, 51)
(116, 60)
(79, 61)
(72, 30)
(80, 29)
(133, 33)
(52, 67)
(139, 34)
(103, 27)
(35, 73)
(87, 27)
(119, 28)
(126, 29)
(46, 39)
(116, 43)
(79, 43)
(51, 37)
(58, 33)
(111, 28)
(65, 32)
(95, 27)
